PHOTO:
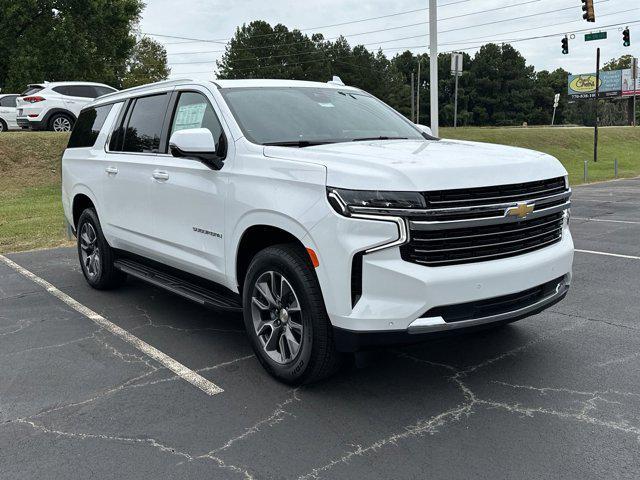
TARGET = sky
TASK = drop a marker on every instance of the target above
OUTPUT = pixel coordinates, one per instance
(477, 22)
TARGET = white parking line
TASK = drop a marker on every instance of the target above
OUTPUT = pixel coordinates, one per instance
(176, 367)
(608, 254)
(605, 220)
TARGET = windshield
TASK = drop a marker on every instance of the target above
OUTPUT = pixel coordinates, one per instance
(303, 116)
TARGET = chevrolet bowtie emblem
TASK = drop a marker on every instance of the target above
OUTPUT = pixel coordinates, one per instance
(522, 210)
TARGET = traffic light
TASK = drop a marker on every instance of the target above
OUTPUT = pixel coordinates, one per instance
(626, 37)
(565, 46)
(589, 13)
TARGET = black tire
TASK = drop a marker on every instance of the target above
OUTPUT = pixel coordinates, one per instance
(317, 357)
(100, 273)
(3, 126)
(61, 122)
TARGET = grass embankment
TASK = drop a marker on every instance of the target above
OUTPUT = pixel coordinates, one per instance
(572, 146)
(31, 213)
(30, 208)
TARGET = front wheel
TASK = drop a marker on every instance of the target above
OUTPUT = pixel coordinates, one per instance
(285, 316)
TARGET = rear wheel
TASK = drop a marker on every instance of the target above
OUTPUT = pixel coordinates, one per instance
(285, 316)
(96, 256)
(61, 122)
(3, 126)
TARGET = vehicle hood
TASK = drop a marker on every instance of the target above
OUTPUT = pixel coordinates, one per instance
(420, 165)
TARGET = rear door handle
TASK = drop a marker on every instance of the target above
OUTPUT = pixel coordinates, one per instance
(160, 175)
(111, 170)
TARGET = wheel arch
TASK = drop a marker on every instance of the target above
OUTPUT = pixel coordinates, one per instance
(82, 200)
(255, 238)
(54, 111)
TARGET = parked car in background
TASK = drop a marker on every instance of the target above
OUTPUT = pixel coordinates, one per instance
(56, 105)
(8, 112)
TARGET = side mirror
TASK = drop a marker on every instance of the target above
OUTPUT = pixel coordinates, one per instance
(424, 129)
(198, 143)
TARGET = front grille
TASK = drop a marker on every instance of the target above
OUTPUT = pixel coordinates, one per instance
(464, 226)
(495, 306)
(476, 244)
(467, 197)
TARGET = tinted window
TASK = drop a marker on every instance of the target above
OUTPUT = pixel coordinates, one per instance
(103, 91)
(87, 127)
(9, 101)
(61, 90)
(144, 126)
(194, 111)
(86, 91)
(31, 90)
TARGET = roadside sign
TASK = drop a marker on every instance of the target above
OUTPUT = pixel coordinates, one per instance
(556, 100)
(584, 85)
(628, 82)
(456, 64)
(589, 37)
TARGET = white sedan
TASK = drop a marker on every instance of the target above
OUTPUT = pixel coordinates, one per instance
(8, 112)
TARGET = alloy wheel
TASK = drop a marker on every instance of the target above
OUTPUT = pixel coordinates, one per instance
(61, 124)
(277, 317)
(90, 251)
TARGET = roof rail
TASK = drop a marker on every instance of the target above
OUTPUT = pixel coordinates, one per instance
(163, 83)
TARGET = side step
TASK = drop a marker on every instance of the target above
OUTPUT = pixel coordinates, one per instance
(204, 296)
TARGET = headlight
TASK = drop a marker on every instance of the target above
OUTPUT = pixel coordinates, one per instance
(374, 202)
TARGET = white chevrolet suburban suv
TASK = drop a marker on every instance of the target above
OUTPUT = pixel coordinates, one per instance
(332, 222)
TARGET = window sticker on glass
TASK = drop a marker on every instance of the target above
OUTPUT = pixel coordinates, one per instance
(189, 116)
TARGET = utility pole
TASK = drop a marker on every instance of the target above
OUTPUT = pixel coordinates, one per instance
(455, 102)
(595, 132)
(433, 64)
(413, 99)
(634, 72)
(418, 94)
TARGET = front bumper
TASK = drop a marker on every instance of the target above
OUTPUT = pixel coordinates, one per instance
(396, 294)
(424, 329)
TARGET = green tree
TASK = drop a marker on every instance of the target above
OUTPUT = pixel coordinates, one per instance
(147, 64)
(65, 40)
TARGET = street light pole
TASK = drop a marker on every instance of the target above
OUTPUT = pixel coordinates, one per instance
(433, 64)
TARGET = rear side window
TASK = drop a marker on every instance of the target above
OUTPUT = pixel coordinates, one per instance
(9, 101)
(103, 91)
(61, 90)
(144, 124)
(85, 91)
(87, 127)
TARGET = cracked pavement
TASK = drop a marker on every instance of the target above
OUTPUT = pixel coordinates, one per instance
(556, 395)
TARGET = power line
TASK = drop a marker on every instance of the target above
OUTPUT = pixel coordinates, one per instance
(411, 24)
(394, 28)
(396, 14)
(537, 37)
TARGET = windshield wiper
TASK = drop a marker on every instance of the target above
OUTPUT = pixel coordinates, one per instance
(364, 139)
(298, 143)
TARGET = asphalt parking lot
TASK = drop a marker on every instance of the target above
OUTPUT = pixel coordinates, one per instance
(553, 396)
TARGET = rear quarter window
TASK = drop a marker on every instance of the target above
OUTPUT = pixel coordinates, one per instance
(88, 126)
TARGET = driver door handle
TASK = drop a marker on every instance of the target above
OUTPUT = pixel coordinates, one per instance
(111, 170)
(161, 175)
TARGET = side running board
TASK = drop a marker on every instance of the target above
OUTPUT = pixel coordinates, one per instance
(207, 297)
